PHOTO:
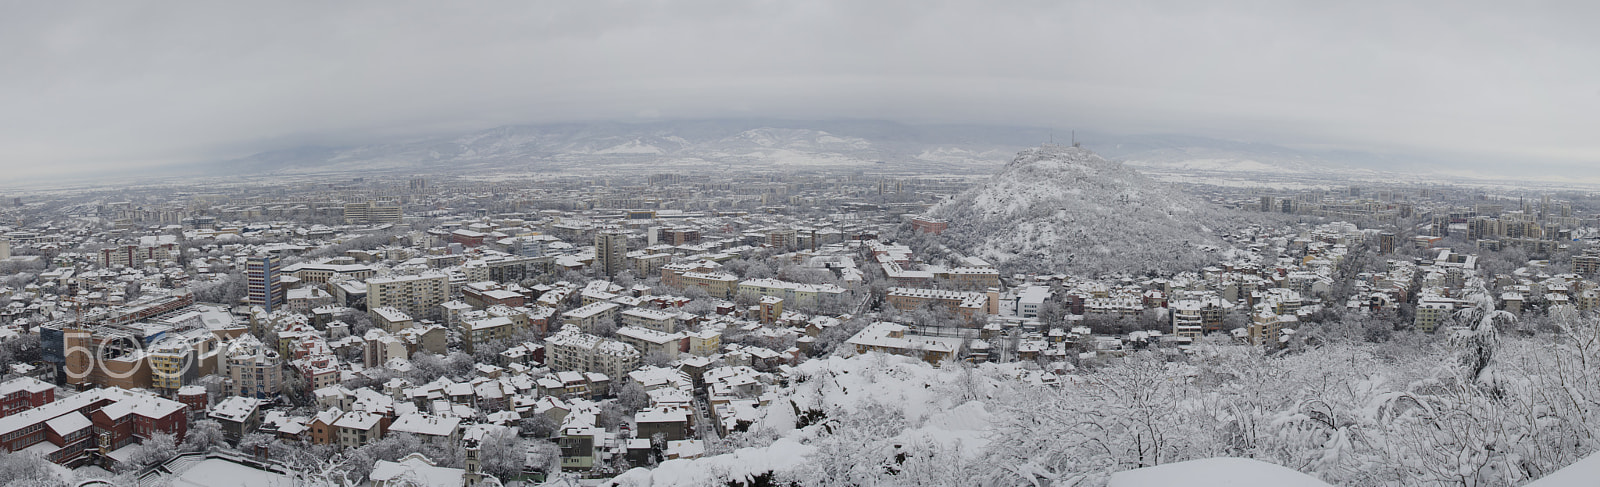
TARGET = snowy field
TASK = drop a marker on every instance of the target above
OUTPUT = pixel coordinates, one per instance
(223, 473)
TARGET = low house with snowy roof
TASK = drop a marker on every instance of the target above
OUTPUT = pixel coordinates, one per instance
(238, 416)
(358, 428)
(671, 422)
(685, 449)
(65, 430)
(391, 319)
(440, 430)
(284, 426)
(968, 304)
(321, 430)
(415, 469)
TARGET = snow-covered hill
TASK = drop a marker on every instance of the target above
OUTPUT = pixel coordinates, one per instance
(1058, 208)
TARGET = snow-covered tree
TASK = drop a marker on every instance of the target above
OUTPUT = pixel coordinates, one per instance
(159, 448)
(23, 469)
(506, 454)
(203, 435)
(1479, 334)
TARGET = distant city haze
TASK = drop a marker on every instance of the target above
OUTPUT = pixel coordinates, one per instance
(92, 87)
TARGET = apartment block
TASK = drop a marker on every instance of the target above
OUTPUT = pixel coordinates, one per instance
(653, 319)
(573, 350)
(968, 304)
(651, 342)
(418, 296)
(252, 369)
(796, 294)
(587, 316)
(372, 213)
(263, 275)
(610, 253)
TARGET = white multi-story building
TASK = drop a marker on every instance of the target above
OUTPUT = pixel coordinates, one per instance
(253, 368)
(572, 349)
(587, 316)
(654, 319)
(651, 342)
(418, 296)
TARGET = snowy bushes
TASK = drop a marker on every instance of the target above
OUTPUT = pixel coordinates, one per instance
(1350, 413)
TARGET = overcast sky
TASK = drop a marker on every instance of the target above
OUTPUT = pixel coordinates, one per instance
(85, 85)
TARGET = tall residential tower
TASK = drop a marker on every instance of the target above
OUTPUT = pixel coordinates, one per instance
(610, 253)
(263, 275)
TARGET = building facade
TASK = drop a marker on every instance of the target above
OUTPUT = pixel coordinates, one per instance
(263, 275)
(610, 253)
(418, 296)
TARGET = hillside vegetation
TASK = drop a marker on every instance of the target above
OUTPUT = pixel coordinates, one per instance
(1066, 209)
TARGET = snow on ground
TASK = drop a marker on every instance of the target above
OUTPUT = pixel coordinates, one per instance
(959, 155)
(1215, 472)
(1216, 164)
(929, 398)
(1583, 473)
(222, 473)
(1051, 204)
(857, 143)
(787, 157)
(783, 455)
(937, 404)
(632, 147)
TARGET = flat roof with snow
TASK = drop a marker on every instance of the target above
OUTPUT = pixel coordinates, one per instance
(222, 473)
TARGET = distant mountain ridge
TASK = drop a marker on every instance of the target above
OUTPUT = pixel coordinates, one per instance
(755, 143)
(769, 144)
(1058, 208)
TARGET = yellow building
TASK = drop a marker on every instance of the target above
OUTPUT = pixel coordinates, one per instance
(704, 343)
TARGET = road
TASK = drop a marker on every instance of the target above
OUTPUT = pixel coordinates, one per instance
(704, 428)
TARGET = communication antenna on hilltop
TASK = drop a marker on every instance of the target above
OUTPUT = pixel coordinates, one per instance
(1074, 138)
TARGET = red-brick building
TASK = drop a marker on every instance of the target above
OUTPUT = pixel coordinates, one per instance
(680, 236)
(91, 424)
(467, 238)
(484, 295)
(195, 398)
(22, 394)
(929, 225)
